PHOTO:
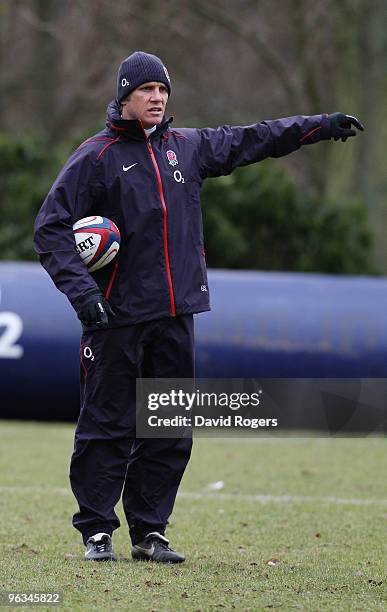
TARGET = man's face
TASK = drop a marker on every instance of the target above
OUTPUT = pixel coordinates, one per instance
(147, 104)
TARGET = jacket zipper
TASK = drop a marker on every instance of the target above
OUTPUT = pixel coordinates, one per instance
(161, 193)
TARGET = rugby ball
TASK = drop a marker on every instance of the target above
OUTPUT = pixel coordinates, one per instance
(97, 241)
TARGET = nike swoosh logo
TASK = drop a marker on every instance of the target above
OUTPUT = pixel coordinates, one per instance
(126, 168)
(146, 551)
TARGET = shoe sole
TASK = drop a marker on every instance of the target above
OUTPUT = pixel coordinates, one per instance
(110, 558)
(139, 557)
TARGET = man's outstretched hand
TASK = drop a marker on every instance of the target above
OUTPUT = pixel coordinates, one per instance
(96, 311)
(341, 124)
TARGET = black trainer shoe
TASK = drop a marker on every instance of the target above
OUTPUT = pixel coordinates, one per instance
(155, 547)
(99, 548)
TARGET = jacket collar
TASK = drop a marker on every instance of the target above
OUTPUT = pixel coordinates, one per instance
(130, 128)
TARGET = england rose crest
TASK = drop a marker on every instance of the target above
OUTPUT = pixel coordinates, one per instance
(172, 158)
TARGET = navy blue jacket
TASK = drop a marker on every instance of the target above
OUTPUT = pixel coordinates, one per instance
(160, 270)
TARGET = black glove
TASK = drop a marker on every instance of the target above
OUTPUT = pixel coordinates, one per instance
(96, 311)
(340, 125)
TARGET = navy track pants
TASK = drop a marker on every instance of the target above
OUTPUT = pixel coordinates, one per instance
(108, 460)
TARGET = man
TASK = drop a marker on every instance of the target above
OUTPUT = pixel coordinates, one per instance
(137, 314)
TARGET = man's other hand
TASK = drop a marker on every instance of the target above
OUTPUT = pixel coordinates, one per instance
(96, 311)
(341, 124)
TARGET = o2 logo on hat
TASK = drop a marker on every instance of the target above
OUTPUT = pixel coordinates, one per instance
(124, 82)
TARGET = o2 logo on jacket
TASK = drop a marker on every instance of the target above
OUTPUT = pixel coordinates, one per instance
(179, 178)
(172, 159)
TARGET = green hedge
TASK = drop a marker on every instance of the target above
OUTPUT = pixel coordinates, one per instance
(27, 168)
(257, 218)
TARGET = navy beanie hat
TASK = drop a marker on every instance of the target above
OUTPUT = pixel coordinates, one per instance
(140, 68)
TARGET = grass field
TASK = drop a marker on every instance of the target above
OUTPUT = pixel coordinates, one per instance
(315, 509)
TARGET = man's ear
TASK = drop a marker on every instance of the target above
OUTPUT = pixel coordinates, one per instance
(122, 104)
